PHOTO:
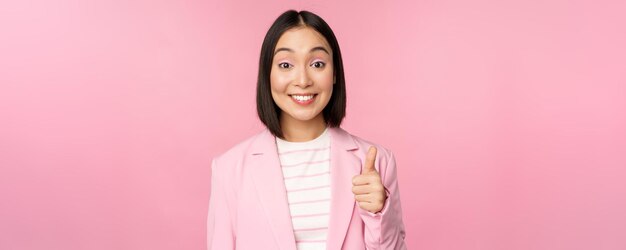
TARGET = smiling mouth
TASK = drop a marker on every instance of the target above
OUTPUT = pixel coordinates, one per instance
(303, 97)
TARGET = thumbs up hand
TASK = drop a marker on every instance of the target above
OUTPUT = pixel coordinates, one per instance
(368, 187)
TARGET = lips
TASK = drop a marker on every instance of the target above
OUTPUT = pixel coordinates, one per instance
(303, 99)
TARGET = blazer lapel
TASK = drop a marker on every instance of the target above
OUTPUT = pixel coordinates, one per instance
(344, 164)
(268, 180)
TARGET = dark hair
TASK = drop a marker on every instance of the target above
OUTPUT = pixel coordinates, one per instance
(268, 111)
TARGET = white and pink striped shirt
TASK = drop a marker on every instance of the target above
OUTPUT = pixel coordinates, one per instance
(306, 172)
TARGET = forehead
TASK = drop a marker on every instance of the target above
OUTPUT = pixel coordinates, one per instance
(301, 40)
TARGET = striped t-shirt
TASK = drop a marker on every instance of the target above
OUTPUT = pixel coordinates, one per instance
(306, 172)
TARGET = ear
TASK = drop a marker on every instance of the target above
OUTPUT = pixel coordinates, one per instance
(334, 79)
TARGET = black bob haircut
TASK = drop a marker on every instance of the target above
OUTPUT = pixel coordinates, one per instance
(268, 111)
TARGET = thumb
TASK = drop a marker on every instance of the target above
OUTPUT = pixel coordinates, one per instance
(369, 161)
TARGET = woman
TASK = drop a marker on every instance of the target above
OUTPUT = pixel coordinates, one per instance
(304, 183)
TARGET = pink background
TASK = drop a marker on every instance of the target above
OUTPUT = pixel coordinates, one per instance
(507, 118)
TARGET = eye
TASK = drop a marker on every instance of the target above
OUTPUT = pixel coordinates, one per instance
(318, 64)
(284, 65)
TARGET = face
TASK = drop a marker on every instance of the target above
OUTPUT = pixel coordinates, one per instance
(302, 74)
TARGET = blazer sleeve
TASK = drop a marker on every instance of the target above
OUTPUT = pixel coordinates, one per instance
(385, 229)
(220, 229)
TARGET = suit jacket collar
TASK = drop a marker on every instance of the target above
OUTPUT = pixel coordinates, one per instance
(266, 142)
(268, 179)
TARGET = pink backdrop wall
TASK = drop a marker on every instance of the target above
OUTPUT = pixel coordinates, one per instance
(507, 118)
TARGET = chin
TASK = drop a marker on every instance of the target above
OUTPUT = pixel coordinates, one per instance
(303, 117)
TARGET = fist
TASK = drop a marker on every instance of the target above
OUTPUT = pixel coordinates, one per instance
(368, 187)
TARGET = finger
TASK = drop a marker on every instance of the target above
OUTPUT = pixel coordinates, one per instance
(363, 189)
(362, 198)
(369, 161)
(358, 180)
(365, 205)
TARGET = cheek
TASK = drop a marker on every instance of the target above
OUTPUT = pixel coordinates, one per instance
(276, 83)
(279, 81)
(324, 80)
(325, 77)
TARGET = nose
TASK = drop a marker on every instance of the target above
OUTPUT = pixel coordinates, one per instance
(302, 79)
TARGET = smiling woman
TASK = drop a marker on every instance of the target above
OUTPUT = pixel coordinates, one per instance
(302, 58)
(300, 52)
(304, 182)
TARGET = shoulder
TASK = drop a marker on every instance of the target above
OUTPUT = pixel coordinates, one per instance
(385, 162)
(363, 145)
(238, 151)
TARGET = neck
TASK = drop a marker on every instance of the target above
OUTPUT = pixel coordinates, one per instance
(300, 131)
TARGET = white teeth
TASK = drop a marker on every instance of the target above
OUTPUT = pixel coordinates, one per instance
(302, 98)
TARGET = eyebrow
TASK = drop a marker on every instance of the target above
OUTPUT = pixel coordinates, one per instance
(313, 49)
